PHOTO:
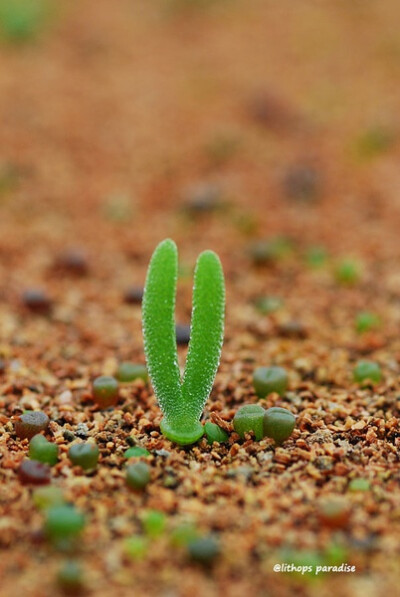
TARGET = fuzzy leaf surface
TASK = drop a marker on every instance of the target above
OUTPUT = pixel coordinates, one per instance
(206, 335)
(158, 313)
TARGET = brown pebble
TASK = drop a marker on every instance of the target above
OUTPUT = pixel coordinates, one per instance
(271, 112)
(31, 423)
(33, 472)
(301, 182)
(234, 449)
(202, 197)
(37, 301)
(71, 261)
(293, 329)
(133, 295)
(333, 512)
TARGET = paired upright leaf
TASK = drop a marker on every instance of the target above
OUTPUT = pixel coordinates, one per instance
(183, 402)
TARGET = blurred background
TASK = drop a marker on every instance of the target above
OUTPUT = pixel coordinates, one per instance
(114, 114)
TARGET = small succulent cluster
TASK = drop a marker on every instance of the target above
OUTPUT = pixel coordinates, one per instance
(268, 380)
(276, 423)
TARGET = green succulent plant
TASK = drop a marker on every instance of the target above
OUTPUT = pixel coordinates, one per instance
(23, 20)
(182, 399)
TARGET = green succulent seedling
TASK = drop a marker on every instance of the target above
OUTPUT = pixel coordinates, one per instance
(316, 257)
(182, 399)
(375, 141)
(23, 20)
(348, 272)
(366, 321)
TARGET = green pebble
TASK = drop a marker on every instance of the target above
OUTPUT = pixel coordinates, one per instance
(45, 497)
(118, 209)
(183, 534)
(138, 475)
(366, 321)
(306, 558)
(278, 423)
(63, 522)
(130, 371)
(204, 550)
(136, 452)
(267, 380)
(70, 577)
(22, 20)
(249, 418)
(154, 523)
(316, 257)
(359, 485)
(68, 435)
(42, 450)
(215, 433)
(348, 272)
(170, 481)
(135, 547)
(268, 304)
(105, 390)
(367, 371)
(245, 223)
(85, 455)
(375, 141)
(335, 554)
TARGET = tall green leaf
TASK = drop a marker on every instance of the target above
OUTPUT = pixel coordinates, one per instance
(158, 310)
(206, 333)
